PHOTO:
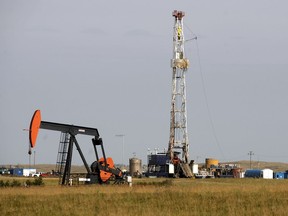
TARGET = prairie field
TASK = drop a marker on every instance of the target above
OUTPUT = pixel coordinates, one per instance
(150, 197)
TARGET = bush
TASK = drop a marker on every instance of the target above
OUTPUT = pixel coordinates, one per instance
(38, 181)
(4, 184)
(7, 184)
(28, 183)
(15, 183)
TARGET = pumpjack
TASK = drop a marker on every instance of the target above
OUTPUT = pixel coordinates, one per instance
(102, 170)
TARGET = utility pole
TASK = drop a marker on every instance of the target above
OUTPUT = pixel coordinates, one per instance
(122, 135)
(34, 158)
(250, 153)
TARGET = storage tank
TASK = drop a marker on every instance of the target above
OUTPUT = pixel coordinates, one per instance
(211, 161)
(135, 167)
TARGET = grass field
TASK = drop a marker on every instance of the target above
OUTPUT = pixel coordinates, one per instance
(150, 197)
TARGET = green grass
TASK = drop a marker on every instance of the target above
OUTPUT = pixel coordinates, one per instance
(151, 197)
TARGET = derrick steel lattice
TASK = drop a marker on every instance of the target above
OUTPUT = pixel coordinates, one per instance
(178, 141)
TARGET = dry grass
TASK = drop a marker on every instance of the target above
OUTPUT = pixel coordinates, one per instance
(156, 197)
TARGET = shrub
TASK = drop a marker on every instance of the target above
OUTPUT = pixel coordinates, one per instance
(15, 183)
(7, 184)
(28, 183)
(38, 181)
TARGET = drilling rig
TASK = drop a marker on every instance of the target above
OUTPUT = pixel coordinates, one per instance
(178, 148)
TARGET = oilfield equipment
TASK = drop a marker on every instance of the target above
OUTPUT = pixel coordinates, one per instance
(178, 140)
(174, 162)
(213, 169)
(102, 170)
(135, 167)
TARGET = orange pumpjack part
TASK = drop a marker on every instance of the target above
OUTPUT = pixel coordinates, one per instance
(34, 127)
(106, 175)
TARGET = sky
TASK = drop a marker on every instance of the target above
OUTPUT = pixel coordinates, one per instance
(106, 65)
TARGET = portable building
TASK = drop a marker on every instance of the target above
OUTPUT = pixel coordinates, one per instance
(16, 172)
(279, 175)
(28, 172)
(265, 173)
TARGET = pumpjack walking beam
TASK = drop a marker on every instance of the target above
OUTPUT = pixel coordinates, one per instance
(73, 131)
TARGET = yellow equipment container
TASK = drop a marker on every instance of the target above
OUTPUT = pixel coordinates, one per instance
(211, 161)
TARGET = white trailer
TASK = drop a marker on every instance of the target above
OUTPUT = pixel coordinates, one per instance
(29, 172)
(267, 174)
